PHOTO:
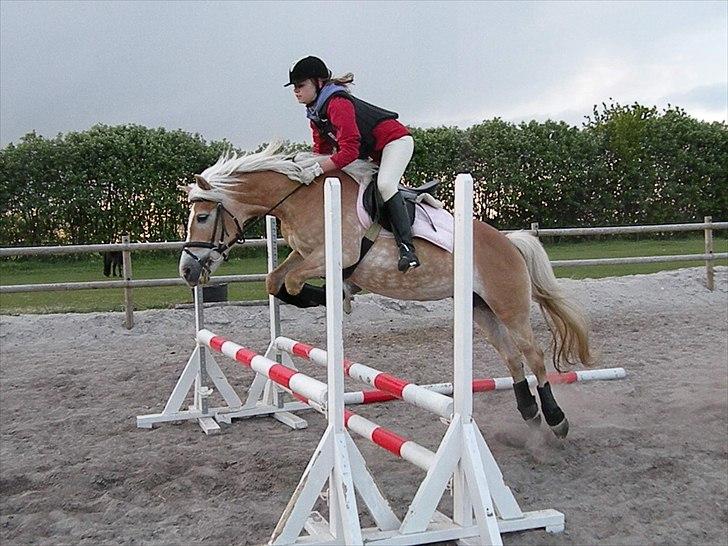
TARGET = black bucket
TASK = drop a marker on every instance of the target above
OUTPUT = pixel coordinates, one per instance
(213, 292)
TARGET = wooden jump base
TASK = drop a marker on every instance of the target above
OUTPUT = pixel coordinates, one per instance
(483, 506)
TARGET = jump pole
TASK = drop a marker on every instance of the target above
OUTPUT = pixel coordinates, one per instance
(390, 387)
(313, 392)
(434, 402)
(490, 384)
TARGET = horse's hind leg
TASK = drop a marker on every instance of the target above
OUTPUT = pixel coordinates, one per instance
(499, 336)
(520, 330)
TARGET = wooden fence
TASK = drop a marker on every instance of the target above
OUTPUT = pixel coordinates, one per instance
(127, 247)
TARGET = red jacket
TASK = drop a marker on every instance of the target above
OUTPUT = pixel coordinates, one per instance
(341, 113)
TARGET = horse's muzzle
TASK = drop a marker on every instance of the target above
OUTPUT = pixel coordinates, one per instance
(190, 270)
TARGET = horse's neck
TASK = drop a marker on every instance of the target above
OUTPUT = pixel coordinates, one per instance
(264, 190)
(303, 211)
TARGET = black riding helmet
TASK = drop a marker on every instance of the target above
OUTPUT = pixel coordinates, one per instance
(308, 67)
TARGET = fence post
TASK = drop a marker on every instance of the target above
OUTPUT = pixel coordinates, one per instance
(709, 280)
(534, 228)
(128, 299)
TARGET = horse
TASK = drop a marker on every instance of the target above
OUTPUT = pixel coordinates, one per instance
(509, 270)
(113, 263)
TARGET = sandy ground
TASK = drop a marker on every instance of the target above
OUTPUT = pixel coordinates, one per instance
(645, 461)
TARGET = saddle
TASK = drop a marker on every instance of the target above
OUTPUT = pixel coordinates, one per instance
(313, 296)
(374, 205)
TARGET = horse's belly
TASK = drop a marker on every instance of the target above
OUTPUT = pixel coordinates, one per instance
(378, 273)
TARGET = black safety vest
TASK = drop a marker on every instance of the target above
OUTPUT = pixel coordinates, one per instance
(368, 116)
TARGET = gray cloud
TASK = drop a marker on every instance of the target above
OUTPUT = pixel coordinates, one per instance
(711, 97)
(217, 68)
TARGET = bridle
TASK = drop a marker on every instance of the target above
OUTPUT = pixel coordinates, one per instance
(222, 246)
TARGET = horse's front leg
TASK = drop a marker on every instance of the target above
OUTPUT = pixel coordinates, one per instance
(277, 277)
(312, 266)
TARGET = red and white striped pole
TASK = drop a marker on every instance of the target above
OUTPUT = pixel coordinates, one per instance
(492, 384)
(431, 400)
(314, 393)
(311, 388)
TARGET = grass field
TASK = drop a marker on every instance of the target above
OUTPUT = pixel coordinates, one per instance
(148, 266)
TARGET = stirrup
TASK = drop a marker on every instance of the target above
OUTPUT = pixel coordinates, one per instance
(407, 258)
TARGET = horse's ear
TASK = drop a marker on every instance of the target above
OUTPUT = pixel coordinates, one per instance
(204, 184)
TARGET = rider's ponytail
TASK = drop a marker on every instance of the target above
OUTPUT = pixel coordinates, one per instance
(344, 79)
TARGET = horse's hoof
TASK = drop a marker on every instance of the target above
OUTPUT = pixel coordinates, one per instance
(562, 429)
(535, 421)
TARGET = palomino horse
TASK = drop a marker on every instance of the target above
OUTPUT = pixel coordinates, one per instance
(509, 269)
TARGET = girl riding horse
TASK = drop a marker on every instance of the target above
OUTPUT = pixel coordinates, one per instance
(352, 129)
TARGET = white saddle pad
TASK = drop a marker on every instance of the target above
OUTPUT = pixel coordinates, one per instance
(431, 224)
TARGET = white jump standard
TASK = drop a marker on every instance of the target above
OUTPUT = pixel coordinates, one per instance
(264, 397)
(483, 506)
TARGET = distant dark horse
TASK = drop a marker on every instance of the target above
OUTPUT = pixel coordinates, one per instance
(112, 263)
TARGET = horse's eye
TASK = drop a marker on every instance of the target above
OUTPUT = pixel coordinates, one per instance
(202, 217)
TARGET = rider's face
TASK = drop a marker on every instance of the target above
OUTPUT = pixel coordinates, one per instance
(305, 91)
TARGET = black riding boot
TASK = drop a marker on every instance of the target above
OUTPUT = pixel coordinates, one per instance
(402, 230)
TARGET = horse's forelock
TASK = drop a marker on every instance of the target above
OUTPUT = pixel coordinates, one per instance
(196, 193)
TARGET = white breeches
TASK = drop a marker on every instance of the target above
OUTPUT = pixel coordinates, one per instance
(395, 157)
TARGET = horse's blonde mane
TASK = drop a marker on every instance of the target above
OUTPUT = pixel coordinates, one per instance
(223, 175)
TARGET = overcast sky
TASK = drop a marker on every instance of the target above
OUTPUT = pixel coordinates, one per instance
(217, 68)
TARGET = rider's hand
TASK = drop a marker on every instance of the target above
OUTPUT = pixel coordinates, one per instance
(310, 173)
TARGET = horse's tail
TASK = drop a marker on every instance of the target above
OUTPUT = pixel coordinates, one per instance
(107, 264)
(566, 319)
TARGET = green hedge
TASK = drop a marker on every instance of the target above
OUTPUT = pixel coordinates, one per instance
(626, 165)
(91, 186)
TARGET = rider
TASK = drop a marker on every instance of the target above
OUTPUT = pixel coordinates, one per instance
(353, 129)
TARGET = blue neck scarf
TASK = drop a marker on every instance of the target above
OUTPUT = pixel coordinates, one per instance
(314, 112)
